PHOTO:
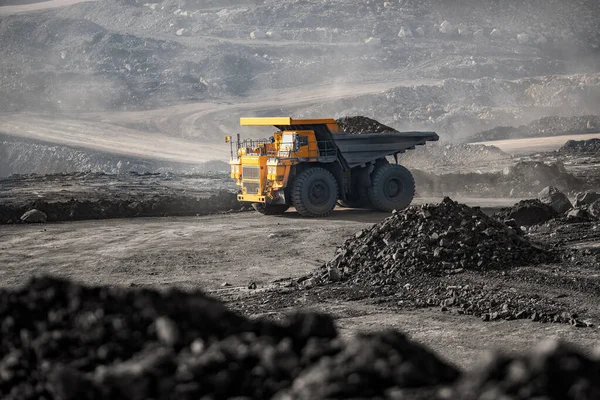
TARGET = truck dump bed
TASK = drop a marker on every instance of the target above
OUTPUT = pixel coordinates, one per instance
(360, 149)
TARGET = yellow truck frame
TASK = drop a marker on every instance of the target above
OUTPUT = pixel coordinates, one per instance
(309, 164)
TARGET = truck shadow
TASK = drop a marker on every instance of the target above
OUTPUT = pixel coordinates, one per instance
(344, 214)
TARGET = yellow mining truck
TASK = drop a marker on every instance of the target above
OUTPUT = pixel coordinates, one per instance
(311, 165)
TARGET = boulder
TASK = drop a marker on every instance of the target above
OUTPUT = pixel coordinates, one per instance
(273, 35)
(34, 216)
(523, 38)
(594, 209)
(420, 31)
(579, 214)
(182, 32)
(528, 213)
(405, 33)
(495, 33)
(257, 35)
(586, 198)
(463, 30)
(446, 28)
(556, 199)
(373, 41)
(479, 34)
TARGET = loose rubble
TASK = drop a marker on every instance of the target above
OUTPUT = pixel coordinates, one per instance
(581, 146)
(61, 340)
(527, 213)
(433, 239)
(34, 216)
(77, 210)
(556, 199)
(552, 370)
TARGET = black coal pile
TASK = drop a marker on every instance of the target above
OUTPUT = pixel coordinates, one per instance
(164, 205)
(581, 146)
(359, 124)
(527, 213)
(433, 239)
(552, 371)
(61, 340)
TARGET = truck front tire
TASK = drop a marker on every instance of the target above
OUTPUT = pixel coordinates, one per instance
(270, 209)
(314, 192)
(393, 187)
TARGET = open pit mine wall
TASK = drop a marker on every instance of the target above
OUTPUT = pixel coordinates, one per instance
(25, 156)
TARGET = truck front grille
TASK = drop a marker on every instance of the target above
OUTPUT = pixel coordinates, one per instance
(250, 172)
(252, 187)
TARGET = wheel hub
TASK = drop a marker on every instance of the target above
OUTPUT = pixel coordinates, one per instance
(318, 193)
(393, 188)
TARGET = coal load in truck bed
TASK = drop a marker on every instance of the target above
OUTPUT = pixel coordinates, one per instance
(359, 124)
(62, 340)
(433, 239)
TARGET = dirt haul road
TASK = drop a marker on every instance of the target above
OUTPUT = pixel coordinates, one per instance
(243, 248)
(36, 6)
(187, 133)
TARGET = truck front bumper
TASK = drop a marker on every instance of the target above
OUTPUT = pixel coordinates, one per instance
(252, 198)
(277, 197)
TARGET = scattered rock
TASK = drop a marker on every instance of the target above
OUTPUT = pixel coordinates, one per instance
(371, 359)
(582, 146)
(334, 274)
(527, 213)
(405, 33)
(167, 331)
(534, 375)
(446, 28)
(257, 35)
(115, 207)
(579, 215)
(555, 199)
(495, 34)
(273, 35)
(34, 216)
(523, 38)
(373, 41)
(432, 239)
(463, 31)
(586, 198)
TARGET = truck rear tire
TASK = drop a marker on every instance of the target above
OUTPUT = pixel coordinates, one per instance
(270, 209)
(314, 192)
(393, 187)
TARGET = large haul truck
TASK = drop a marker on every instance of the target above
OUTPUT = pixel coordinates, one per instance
(310, 165)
